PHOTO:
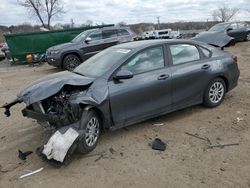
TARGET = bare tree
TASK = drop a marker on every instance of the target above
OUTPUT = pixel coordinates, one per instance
(45, 10)
(121, 24)
(224, 13)
(89, 23)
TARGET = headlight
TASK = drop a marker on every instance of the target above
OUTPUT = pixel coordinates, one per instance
(53, 52)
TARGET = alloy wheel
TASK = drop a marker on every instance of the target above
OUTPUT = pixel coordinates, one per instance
(216, 92)
(248, 37)
(92, 131)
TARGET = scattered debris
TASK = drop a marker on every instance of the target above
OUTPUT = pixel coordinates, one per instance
(3, 137)
(196, 136)
(159, 145)
(112, 151)
(31, 173)
(210, 145)
(10, 166)
(23, 155)
(239, 119)
(59, 144)
(158, 124)
(98, 158)
(222, 145)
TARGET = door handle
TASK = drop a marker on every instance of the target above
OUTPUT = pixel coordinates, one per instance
(206, 66)
(163, 77)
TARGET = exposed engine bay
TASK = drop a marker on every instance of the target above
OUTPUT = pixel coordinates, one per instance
(57, 108)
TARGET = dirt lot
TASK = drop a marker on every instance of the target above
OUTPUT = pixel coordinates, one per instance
(187, 161)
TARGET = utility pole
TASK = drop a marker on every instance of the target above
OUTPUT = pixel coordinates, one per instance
(158, 21)
(72, 23)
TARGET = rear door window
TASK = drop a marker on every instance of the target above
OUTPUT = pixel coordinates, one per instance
(109, 33)
(206, 53)
(242, 25)
(183, 53)
(234, 26)
(122, 32)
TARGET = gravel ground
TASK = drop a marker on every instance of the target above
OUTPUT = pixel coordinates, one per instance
(123, 158)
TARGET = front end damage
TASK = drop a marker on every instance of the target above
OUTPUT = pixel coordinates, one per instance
(59, 115)
(58, 107)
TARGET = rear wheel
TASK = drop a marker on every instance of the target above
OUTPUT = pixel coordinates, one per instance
(70, 62)
(247, 37)
(215, 92)
(91, 124)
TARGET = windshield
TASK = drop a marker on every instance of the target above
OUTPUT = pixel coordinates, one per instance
(101, 62)
(219, 27)
(81, 36)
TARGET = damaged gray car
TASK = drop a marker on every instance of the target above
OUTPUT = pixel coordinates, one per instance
(123, 85)
(225, 34)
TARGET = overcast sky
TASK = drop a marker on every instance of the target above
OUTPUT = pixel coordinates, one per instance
(130, 11)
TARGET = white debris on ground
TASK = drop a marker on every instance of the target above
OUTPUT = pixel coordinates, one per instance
(59, 144)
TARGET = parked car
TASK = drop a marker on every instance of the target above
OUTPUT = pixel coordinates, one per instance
(129, 83)
(2, 54)
(163, 33)
(69, 55)
(31, 47)
(225, 34)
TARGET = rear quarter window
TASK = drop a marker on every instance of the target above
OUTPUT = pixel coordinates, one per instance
(205, 52)
(122, 32)
(183, 53)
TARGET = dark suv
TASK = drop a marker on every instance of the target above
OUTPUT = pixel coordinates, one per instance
(86, 44)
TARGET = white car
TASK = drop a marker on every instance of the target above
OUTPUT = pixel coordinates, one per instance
(2, 56)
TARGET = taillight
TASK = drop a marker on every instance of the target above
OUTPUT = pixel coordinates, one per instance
(235, 58)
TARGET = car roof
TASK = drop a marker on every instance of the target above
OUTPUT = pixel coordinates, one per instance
(147, 43)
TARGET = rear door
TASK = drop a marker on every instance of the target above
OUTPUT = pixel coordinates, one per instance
(190, 73)
(236, 32)
(124, 36)
(242, 30)
(110, 37)
(147, 93)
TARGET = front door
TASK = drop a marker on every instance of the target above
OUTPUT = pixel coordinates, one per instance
(95, 45)
(147, 93)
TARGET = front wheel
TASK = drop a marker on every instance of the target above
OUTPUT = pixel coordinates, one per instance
(91, 124)
(214, 93)
(70, 62)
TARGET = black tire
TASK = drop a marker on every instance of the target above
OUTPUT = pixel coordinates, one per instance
(247, 37)
(84, 145)
(213, 97)
(70, 62)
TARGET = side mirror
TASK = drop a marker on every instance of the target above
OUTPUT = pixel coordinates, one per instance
(88, 39)
(123, 74)
(229, 29)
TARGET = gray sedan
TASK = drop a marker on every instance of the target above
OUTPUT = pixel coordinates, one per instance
(127, 84)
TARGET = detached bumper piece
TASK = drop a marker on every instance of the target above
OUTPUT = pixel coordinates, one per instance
(61, 145)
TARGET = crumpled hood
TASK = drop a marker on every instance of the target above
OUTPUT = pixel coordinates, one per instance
(50, 85)
(219, 39)
(61, 46)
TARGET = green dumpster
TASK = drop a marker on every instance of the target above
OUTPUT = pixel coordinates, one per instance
(36, 43)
